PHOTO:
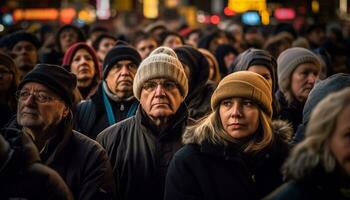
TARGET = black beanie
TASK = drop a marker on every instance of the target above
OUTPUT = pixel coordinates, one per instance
(120, 52)
(56, 78)
(18, 36)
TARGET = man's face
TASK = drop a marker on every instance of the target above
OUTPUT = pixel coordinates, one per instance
(26, 55)
(145, 47)
(67, 38)
(39, 108)
(105, 45)
(121, 77)
(160, 98)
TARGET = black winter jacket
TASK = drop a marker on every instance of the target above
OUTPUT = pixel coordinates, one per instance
(22, 176)
(91, 117)
(140, 155)
(212, 171)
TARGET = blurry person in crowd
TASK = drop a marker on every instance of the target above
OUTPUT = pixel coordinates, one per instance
(44, 112)
(318, 167)
(46, 36)
(144, 44)
(192, 38)
(102, 44)
(114, 99)
(94, 32)
(155, 29)
(171, 39)
(236, 152)
(316, 35)
(23, 46)
(331, 84)
(263, 63)
(9, 79)
(22, 176)
(225, 55)
(214, 72)
(278, 43)
(141, 147)
(297, 70)
(197, 71)
(300, 42)
(82, 61)
(253, 38)
(212, 40)
(65, 37)
(237, 32)
(326, 62)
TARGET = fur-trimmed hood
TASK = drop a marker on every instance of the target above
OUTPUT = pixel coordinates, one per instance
(282, 130)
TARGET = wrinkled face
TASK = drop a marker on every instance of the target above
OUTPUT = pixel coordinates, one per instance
(26, 55)
(228, 59)
(83, 67)
(303, 80)
(39, 108)
(67, 38)
(145, 47)
(172, 41)
(160, 98)
(239, 117)
(121, 77)
(340, 141)
(105, 45)
(263, 71)
(6, 77)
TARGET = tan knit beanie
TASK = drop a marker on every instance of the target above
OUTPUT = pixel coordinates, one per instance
(244, 84)
(289, 60)
(161, 63)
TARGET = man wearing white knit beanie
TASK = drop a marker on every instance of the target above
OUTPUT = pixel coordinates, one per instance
(140, 148)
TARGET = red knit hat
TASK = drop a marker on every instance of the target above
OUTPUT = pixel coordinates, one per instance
(68, 57)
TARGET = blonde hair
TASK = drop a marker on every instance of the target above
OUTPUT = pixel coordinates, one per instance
(210, 129)
(314, 150)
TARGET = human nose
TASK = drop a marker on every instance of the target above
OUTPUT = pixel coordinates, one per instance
(312, 78)
(159, 91)
(124, 70)
(236, 110)
(30, 100)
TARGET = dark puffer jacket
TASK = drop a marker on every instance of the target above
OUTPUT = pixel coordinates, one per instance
(140, 155)
(21, 174)
(214, 171)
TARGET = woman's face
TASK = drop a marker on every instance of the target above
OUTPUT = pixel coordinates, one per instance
(83, 67)
(172, 41)
(239, 117)
(303, 80)
(263, 71)
(340, 141)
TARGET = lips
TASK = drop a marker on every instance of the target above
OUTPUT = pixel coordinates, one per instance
(236, 125)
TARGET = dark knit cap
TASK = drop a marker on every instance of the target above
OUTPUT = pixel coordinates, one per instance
(321, 89)
(118, 53)
(252, 57)
(56, 78)
(18, 36)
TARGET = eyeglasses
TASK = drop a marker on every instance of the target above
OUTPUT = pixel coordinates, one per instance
(152, 85)
(39, 96)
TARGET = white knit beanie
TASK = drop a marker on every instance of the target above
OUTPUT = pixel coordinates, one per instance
(161, 63)
(289, 60)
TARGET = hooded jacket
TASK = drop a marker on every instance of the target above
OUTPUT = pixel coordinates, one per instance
(140, 154)
(21, 174)
(214, 171)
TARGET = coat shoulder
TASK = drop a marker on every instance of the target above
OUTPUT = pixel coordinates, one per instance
(283, 131)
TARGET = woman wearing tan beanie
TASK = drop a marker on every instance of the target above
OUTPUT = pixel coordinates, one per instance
(236, 152)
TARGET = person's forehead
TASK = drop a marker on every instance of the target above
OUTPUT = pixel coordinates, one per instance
(160, 79)
(23, 43)
(36, 86)
(125, 61)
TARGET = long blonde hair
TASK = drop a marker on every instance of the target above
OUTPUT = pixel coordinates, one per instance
(314, 150)
(210, 129)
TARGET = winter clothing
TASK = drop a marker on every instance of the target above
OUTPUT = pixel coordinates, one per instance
(18, 36)
(140, 153)
(200, 91)
(92, 116)
(161, 63)
(214, 171)
(220, 52)
(21, 174)
(252, 57)
(323, 88)
(289, 60)
(8, 62)
(118, 53)
(81, 36)
(57, 79)
(98, 40)
(244, 84)
(216, 77)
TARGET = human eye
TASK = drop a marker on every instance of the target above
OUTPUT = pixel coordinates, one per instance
(248, 103)
(169, 85)
(150, 86)
(23, 94)
(226, 103)
(131, 65)
(43, 97)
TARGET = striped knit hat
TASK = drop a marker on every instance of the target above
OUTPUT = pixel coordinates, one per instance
(161, 63)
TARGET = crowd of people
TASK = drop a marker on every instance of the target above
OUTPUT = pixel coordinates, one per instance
(193, 113)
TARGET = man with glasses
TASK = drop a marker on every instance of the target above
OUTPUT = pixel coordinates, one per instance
(114, 99)
(23, 46)
(44, 112)
(141, 147)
